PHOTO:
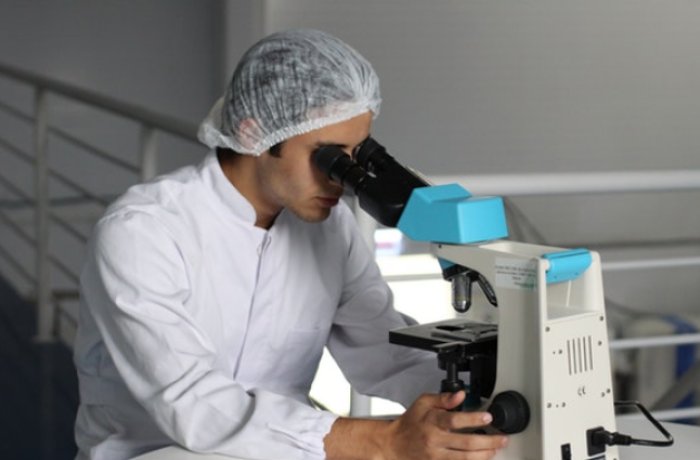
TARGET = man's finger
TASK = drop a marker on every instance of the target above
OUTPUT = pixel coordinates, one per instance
(444, 401)
(452, 421)
(451, 400)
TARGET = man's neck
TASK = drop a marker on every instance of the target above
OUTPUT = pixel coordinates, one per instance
(240, 170)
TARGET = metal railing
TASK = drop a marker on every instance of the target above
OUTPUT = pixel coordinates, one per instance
(36, 156)
(540, 184)
(151, 123)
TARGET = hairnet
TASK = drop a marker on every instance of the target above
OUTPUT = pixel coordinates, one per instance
(287, 84)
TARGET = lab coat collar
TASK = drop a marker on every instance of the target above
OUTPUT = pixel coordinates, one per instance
(228, 195)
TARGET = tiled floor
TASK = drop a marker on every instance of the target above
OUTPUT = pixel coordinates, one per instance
(38, 388)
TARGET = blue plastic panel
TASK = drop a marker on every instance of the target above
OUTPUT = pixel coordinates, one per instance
(449, 214)
(567, 265)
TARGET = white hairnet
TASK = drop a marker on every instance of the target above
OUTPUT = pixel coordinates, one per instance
(288, 84)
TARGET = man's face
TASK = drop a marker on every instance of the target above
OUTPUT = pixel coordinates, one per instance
(292, 181)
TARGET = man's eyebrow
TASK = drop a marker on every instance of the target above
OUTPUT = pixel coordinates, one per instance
(319, 144)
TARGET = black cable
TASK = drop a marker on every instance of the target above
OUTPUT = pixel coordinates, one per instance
(604, 437)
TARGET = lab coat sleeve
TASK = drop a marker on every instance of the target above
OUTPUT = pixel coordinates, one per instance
(135, 284)
(359, 339)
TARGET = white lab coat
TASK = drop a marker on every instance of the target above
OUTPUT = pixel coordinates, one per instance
(199, 329)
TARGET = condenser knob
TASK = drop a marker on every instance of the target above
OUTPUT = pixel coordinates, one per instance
(510, 411)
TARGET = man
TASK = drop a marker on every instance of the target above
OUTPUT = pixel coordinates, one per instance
(209, 294)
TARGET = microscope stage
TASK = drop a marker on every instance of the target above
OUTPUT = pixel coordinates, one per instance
(474, 336)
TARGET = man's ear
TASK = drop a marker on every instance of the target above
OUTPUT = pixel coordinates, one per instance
(249, 134)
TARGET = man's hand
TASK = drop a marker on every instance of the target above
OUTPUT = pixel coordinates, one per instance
(426, 431)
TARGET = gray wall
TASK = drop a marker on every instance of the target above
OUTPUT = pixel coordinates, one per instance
(512, 85)
(515, 86)
(170, 56)
(469, 87)
(162, 54)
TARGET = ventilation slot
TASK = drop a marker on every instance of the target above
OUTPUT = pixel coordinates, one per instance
(580, 355)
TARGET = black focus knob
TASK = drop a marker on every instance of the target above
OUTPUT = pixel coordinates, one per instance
(510, 411)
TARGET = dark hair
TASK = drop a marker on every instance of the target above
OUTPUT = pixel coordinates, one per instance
(275, 149)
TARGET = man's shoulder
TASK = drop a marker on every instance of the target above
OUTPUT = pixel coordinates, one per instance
(161, 194)
(160, 202)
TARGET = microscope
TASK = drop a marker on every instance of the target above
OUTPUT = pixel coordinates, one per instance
(543, 370)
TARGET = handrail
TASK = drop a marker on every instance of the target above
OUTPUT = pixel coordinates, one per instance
(579, 183)
(16, 151)
(657, 341)
(150, 117)
(68, 228)
(77, 187)
(16, 112)
(94, 150)
(150, 123)
(16, 265)
(17, 229)
(66, 137)
(14, 189)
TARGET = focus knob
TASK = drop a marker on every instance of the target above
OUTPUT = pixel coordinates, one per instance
(510, 411)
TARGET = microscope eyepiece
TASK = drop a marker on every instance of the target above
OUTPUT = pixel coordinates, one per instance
(371, 151)
(340, 168)
(382, 185)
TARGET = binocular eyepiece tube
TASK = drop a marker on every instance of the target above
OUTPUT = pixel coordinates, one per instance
(382, 185)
